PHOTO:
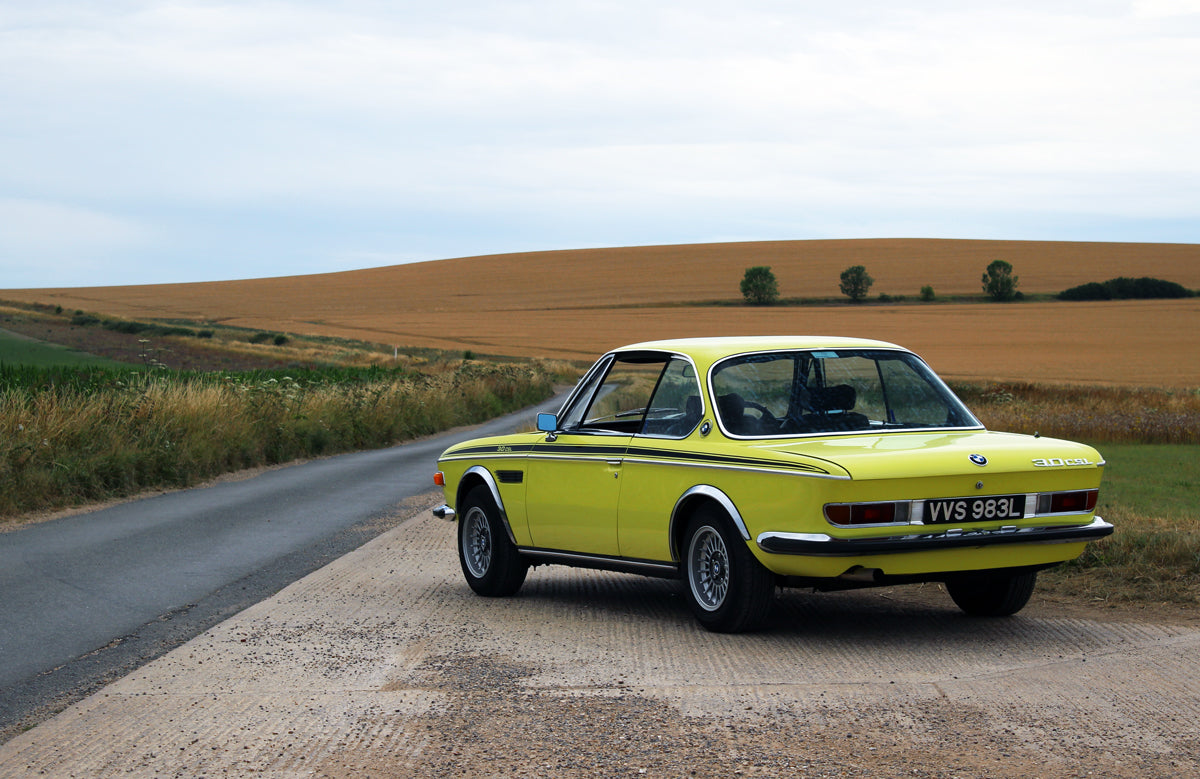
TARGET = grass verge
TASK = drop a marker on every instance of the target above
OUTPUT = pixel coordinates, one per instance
(71, 437)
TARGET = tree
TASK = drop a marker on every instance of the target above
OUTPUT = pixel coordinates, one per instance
(759, 287)
(999, 282)
(856, 282)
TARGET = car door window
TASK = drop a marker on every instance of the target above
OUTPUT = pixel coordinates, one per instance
(620, 402)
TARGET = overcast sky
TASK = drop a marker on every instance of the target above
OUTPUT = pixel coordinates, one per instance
(145, 142)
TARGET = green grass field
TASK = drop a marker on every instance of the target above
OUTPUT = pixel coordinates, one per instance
(1160, 480)
(15, 350)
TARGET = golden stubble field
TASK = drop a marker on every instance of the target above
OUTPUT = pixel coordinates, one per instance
(576, 304)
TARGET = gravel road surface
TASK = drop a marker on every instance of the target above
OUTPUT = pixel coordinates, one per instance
(384, 664)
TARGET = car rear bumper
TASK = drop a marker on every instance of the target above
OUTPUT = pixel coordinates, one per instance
(821, 545)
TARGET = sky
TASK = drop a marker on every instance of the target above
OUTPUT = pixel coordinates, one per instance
(152, 142)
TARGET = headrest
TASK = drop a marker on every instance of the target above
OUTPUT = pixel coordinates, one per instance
(839, 397)
(731, 407)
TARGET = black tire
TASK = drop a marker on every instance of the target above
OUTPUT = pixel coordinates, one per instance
(727, 588)
(490, 561)
(992, 594)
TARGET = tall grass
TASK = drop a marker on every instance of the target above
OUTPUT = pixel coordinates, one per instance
(1093, 414)
(71, 437)
(1148, 558)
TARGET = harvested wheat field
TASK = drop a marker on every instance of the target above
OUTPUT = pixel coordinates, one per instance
(575, 304)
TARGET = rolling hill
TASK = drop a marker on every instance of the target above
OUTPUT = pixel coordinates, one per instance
(574, 304)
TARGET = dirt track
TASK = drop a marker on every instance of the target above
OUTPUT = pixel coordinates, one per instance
(384, 664)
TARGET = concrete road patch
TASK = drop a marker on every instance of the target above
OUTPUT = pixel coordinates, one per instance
(384, 664)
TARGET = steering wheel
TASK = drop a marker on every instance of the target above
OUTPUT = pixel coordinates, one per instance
(766, 417)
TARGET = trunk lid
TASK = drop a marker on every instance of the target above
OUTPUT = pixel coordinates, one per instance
(917, 455)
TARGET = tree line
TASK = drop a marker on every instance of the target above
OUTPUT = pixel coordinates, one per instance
(760, 287)
(998, 282)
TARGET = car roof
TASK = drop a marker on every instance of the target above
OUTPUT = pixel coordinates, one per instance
(714, 348)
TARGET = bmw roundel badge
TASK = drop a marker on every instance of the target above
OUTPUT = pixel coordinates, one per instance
(978, 459)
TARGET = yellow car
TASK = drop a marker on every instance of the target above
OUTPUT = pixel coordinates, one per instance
(741, 464)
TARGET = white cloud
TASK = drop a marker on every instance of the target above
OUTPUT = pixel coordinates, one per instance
(605, 114)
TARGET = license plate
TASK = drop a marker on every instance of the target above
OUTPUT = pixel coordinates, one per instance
(974, 509)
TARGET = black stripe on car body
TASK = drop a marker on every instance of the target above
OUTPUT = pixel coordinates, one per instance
(583, 451)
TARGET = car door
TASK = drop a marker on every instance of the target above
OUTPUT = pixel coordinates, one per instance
(574, 473)
(660, 464)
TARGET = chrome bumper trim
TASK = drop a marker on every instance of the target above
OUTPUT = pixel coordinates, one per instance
(444, 512)
(821, 545)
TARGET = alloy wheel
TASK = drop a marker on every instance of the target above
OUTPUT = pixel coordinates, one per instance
(477, 542)
(708, 568)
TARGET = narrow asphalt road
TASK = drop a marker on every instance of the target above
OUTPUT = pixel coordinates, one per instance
(90, 597)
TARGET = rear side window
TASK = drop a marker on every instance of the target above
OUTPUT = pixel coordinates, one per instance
(676, 407)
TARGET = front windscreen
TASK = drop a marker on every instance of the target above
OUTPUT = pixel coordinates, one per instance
(830, 391)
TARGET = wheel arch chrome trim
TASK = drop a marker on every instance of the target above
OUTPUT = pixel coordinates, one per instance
(712, 493)
(484, 475)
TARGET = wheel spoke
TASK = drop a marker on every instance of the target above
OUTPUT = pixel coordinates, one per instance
(709, 569)
(477, 537)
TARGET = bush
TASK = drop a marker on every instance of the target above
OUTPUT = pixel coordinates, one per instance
(281, 339)
(856, 282)
(124, 326)
(260, 338)
(927, 293)
(1093, 290)
(1122, 288)
(759, 287)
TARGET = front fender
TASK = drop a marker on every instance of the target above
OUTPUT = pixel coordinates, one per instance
(475, 475)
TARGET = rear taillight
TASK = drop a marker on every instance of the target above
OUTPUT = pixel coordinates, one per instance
(1075, 502)
(851, 514)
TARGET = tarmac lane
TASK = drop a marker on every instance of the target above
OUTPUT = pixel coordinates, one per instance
(88, 598)
(383, 663)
